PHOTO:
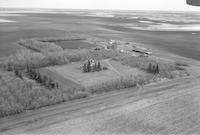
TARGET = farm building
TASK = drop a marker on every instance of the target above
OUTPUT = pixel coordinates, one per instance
(125, 48)
(112, 45)
(141, 50)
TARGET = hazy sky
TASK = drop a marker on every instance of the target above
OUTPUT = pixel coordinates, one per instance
(102, 4)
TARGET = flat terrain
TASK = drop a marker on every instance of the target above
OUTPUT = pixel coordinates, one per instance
(63, 81)
(76, 44)
(169, 107)
(125, 70)
(115, 26)
(72, 72)
(165, 107)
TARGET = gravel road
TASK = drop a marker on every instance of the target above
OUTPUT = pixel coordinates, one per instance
(168, 107)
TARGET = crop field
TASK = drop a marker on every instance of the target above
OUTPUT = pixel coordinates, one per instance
(38, 25)
(75, 44)
(8, 44)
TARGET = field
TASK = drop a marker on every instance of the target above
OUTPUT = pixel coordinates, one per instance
(169, 107)
(125, 69)
(183, 43)
(43, 89)
(155, 111)
(72, 72)
(19, 95)
(63, 81)
(9, 39)
(75, 44)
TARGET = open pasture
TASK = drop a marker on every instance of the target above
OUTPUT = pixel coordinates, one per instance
(73, 73)
(124, 69)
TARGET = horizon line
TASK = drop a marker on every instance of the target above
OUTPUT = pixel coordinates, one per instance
(45, 8)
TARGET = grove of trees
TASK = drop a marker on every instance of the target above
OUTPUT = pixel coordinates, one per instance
(92, 67)
(44, 80)
(18, 95)
(153, 68)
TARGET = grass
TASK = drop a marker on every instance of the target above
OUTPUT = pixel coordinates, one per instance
(45, 25)
(181, 64)
(74, 73)
(166, 69)
(64, 82)
(127, 81)
(124, 69)
(55, 43)
(19, 95)
(51, 58)
(74, 44)
(38, 46)
(70, 37)
(9, 38)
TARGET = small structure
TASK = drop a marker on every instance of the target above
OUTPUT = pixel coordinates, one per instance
(141, 50)
(112, 42)
(112, 45)
(125, 48)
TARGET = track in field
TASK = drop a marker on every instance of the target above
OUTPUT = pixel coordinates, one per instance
(158, 94)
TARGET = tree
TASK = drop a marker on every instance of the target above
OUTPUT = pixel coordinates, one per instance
(88, 66)
(38, 78)
(44, 80)
(99, 66)
(31, 73)
(157, 69)
(57, 86)
(18, 73)
(9, 67)
(53, 85)
(27, 68)
(50, 82)
(154, 69)
(34, 74)
(84, 68)
(95, 67)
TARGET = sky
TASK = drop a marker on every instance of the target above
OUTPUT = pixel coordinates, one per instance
(177, 5)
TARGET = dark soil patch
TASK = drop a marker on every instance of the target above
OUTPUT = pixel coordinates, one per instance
(75, 44)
